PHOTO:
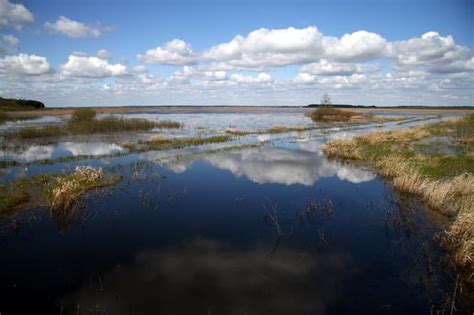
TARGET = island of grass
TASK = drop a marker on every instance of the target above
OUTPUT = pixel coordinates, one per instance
(329, 114)
(85, 121)
(435, 162)
(58, 192)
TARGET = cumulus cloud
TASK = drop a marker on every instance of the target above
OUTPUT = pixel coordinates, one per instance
(14, 14)
(358, 46)
(91, 67)
(74, 29)
(433, 52)
(175, 52)
(24, 64)
(8, 44)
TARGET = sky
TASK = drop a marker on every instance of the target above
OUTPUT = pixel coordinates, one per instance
(259, 52)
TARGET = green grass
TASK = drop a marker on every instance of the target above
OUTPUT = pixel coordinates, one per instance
(37, 132)
(442, 166)
(175, 143)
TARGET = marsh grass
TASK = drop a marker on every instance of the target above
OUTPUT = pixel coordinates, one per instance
(158, 142)
(445, 183)
(84, 121)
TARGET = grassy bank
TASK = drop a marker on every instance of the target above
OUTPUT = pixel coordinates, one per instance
(84, 121)
(443, 177)
(58, 191)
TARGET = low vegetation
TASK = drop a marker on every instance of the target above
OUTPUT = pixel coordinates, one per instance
(59, 191)
(84, 121)
(445, 182)
(159, 142)
(330, 114)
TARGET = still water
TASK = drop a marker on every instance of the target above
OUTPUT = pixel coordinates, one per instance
(272, 227)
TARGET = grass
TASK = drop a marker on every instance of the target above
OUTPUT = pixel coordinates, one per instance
(158, 142)
(330, 114)
(84, 121)
(62, 191)
(444, 182)
(58, 192)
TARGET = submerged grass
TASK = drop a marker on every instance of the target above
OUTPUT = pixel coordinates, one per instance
(84, 121)
(445, 183)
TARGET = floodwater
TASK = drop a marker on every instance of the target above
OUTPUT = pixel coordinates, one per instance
(264, 224)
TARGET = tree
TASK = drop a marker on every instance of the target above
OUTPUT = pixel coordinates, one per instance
(326, 100)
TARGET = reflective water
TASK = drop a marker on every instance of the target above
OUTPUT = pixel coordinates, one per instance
(275, 228)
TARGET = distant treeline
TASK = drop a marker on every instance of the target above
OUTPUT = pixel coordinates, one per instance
(399, 106)
(19, 104)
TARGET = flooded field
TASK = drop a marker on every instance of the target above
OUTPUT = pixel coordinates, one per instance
(258, 223)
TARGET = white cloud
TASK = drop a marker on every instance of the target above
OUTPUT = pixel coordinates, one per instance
(175, 52)
(358, 46)
(91, 67)
(435, 53)
(103, 54)
(74, 29)
(14, 14)
(8, 44)
(305, 78)
(262, 77)
(24, 64)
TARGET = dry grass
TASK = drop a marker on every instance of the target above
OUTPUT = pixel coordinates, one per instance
(63, 190)
(446, 187)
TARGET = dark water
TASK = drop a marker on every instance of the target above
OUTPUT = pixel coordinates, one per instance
(276, 229)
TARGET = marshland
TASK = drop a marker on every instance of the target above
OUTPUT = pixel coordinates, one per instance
(236, 210)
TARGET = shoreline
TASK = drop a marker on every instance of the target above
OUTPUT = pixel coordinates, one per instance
(61, 111)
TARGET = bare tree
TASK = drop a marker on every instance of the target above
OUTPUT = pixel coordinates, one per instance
(326, 100)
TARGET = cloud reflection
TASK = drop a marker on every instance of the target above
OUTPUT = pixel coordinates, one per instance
(304, 165)
(42, 152)
(205, 277)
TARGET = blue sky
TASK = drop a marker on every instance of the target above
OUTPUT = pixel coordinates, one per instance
(287, 52)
